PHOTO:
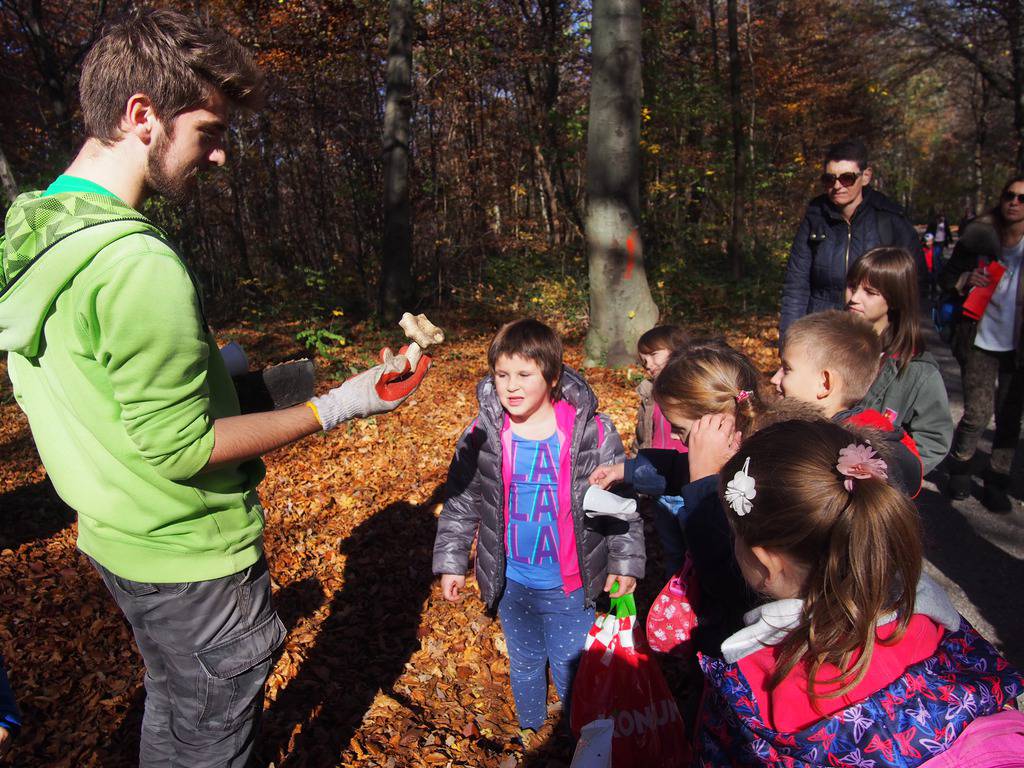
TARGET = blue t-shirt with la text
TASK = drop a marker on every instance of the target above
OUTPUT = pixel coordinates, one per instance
(531, 538)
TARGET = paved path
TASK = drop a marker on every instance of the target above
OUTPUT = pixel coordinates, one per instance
(976, 555)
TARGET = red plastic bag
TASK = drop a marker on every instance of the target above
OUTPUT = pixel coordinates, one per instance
(619, 679)
(673, 615)
(977, 300)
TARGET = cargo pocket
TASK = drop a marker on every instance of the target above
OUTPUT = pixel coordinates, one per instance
(233, 672)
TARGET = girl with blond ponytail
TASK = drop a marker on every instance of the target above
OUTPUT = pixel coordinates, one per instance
(857, 658)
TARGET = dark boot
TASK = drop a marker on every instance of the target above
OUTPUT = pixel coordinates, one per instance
(995, 497)
(959, 486)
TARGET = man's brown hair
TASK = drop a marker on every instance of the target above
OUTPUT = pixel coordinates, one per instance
(531, 340)
(842, 342)
(170, 57)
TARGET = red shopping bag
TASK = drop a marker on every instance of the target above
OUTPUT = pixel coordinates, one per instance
(673, 615)
(619, 679)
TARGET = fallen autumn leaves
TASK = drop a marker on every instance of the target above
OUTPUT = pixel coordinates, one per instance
(377, 669)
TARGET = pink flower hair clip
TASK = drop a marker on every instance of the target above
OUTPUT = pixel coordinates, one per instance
(743, 394)
(860, 462)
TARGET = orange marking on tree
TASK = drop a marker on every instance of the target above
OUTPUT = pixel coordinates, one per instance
(630, 255)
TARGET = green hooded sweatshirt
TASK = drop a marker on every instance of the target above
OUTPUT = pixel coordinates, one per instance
(121, 380)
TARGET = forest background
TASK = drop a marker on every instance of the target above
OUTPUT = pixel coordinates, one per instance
(735, 102)
(497, 149)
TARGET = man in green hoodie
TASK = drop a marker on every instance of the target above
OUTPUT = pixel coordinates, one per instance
(131, 407)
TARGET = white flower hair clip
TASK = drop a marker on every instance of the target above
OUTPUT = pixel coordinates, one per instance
(740, 491)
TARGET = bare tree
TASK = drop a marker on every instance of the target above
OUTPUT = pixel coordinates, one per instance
(737, 228)
(10, 189)
(396, 256)
(621, 307)
(989, 34)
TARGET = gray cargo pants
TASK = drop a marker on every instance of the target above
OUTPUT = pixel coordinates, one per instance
(207, 646)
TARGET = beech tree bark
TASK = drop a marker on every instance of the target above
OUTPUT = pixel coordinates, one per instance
(621, 307)
(737, 229)
(7, 184)
(396, 287)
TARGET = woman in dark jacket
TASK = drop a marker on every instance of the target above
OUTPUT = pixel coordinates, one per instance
(987, 344)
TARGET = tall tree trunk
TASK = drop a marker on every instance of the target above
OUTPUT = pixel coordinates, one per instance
(713, 24)
(980, 109)
(737, 230)
(621, 307)
(7, 184)
(1015, 27)
(396, 254)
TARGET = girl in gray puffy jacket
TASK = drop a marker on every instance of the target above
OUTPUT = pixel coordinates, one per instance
(516, 484)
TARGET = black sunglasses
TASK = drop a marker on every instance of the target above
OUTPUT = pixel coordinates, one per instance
(1009, 197)
(847, 179)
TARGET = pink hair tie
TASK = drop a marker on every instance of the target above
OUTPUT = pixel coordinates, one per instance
(743, 394)
(860, 462)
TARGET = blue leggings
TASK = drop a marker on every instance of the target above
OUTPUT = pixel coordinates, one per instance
(542, 627)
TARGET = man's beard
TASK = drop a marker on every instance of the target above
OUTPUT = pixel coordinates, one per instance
(176, 189)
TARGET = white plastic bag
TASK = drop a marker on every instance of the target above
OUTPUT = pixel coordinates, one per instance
(594, 749)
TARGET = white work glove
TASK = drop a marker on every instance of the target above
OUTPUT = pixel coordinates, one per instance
(378, 390)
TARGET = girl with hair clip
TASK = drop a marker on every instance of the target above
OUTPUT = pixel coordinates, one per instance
(712, 396)
(858, 659)
(882, 287)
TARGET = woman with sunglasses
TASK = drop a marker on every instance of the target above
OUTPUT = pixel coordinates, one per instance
(844, 222)
(985, 270)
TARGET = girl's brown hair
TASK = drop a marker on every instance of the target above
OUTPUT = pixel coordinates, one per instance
(711, 377)
(893, 273)
(861, 549)
(670, 337)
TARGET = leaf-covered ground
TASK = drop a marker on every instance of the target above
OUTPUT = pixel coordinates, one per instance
(377, 669)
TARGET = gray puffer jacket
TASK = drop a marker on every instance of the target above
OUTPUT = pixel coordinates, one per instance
(475, 495)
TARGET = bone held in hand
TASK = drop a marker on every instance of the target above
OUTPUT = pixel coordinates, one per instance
(422, 333)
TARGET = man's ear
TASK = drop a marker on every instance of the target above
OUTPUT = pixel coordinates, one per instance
(139, 118)
(866, 175)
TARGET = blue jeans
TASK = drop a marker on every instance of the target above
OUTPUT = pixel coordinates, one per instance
(542, 627)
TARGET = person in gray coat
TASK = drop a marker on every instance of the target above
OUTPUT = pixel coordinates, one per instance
(516, 485)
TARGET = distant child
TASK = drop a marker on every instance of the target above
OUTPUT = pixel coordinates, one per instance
(931, 262)
(653, 430)
(654, 348)
(858, 658)
(10, 716)
(881, 287)
(829, 360)
(516, 484)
